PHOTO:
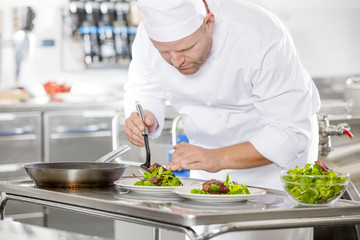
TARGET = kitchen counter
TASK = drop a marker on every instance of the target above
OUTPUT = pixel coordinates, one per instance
(16, 230)
(273, 210)
(51, 106)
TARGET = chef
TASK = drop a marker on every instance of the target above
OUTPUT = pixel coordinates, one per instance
(232, 70)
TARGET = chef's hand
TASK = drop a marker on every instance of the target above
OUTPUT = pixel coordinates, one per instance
(134, 127)
(187, 156)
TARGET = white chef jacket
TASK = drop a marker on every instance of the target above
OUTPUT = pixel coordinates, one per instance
(252, 87)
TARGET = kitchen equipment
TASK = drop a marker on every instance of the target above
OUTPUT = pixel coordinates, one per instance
(79, 132)
(69, 133)
(106, 32)
(16, 230)
(63, 132)
(23, 40)
(145, 134)
(114, 154)
(20, 132)
(326, 131)
(78, 174)
(176, 139)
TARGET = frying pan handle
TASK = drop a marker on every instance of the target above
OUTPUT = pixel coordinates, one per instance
(129, 162)
(114, 154)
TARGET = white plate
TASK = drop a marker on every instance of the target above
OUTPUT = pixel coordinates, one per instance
(184, 191)
(128, 183)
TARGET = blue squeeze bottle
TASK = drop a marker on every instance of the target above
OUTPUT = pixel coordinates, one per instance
(180, 138)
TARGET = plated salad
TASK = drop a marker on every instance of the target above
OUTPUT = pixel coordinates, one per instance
(228, 187)
(158, 176)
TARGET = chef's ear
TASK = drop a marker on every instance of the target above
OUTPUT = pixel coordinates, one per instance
(209, 21)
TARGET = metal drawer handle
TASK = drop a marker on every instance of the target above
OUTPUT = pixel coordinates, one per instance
(83, 129)
(22, 137)
(14, 131)
(80, 135)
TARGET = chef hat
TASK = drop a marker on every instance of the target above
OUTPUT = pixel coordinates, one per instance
(171, 20)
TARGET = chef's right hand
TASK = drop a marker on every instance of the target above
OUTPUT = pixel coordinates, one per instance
(134, 127)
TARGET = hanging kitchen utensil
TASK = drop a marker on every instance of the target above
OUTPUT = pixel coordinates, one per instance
(100, 173)
(145, 134)
(24, 40)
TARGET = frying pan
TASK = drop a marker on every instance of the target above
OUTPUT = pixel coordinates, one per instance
(100, 173)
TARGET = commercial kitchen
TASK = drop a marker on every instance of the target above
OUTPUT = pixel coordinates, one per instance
(61, 101)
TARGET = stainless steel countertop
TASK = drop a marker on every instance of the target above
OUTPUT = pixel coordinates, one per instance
(16, 230)
(51, 106)
(272, 210)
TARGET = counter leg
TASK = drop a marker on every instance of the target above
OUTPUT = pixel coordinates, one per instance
(357, 228)
(156, 234)
(46, 216)
(3, 201)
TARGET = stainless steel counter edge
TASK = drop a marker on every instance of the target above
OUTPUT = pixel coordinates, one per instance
(142, 209)
(52, 106)
(116, 206)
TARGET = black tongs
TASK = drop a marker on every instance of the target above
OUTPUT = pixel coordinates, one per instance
(145, 134)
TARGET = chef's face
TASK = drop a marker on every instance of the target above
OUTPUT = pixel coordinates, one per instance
(188, 54)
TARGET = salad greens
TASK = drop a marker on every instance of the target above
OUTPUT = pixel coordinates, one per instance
(233, 188)
(313, 184)
(159, 177)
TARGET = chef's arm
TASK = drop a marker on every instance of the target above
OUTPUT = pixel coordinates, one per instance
(143, 83)
(239, 156)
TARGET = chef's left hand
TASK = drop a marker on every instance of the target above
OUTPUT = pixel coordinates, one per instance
(187, 156)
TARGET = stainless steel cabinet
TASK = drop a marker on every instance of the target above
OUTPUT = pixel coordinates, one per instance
(72, 135)
(77, 135)
(20, 143)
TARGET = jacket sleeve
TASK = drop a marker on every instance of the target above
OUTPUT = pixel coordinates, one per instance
(143, 84)
(286, 100)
